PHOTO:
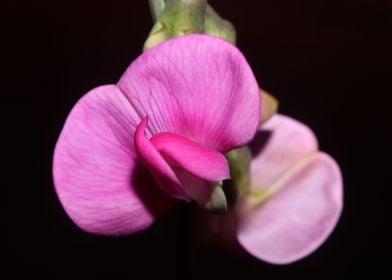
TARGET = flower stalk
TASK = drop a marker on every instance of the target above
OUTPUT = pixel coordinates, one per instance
(173, 18)
(178, 18)
(156, 7)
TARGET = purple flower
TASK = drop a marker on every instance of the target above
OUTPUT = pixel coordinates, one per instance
(177, 109)
(129, 151)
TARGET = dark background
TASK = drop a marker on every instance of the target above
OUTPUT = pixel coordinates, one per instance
(329, 63)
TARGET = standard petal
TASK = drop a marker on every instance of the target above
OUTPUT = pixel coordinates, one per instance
(280, 144)
(196, 86)
(298, 218)
(100, 183)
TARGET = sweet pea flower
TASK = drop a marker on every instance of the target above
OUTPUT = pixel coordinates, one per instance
(291, 201)
(128, 151)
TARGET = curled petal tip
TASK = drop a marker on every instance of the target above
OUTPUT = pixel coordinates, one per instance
(159, 168)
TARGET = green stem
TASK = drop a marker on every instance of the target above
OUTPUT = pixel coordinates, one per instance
(239, 163)
(156, 7)
(183, 17)
(178, 17)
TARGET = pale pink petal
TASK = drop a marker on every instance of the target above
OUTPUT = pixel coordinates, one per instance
(100, 183)
(296, 219)
(280, 144)
(198, 87)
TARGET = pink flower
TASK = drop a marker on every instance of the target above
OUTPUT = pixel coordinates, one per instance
(294, 198)
(127, 150)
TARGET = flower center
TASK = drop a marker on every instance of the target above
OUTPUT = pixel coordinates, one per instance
(182, 168)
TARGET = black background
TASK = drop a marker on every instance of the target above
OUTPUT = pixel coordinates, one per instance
(329, 63)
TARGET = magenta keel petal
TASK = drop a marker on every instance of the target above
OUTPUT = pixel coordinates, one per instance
(160, 169)
(197, 167)
(100, 183)
(200, 161)
(182, 168)
(299, 217)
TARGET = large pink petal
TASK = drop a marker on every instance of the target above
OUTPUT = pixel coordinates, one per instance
(296, 219)
(196, 86)
(100, 183)
(280, 144)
